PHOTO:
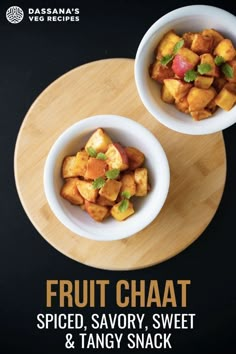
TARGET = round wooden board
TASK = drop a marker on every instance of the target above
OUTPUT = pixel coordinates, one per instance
(197, 165)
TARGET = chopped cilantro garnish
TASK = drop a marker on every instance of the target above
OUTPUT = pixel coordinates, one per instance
(124, 204)
(126, 194)
(113, 174)
(98, 183)
(219, 60)
(101, 156)
(91, 151)
(204, 68)
(177, 46)
(166, 59)
(227, 70)
(190, 75)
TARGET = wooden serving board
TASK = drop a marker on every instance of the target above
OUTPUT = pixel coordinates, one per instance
(197, 165)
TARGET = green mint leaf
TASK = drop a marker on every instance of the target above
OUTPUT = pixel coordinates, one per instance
(178, 45)
(227, 70)
(113, 174)
(124, 204)
(203, 68)
(166, 59)
(219, 60)
(190, 75)
(91, 151)
(126, 194)
(101, 156)
(98, 183)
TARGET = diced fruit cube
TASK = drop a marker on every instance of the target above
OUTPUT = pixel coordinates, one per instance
(202, 114)
(199, 98)
(160, 72)
(121, 215)
(70, 191)
(182, 105)
(74, 166)
(99, 141)
(104, 201)
(225, 49)
(95, 168)
(217, 37)
(141, 180)
(188, 38)
(68, 167)
(226, 98)
(135, 157)
(117, 157)
(202, 43)
(185, 60)
(128, 184)
(232, 63)
(167, 43)
(86, 190)
(111, 189)
(203, 82)
(209, 59)
(81, 162)
(177, 88)
(97, 212)
(166, 95)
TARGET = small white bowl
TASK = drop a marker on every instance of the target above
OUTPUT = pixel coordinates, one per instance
(128, 133)
(186, 19)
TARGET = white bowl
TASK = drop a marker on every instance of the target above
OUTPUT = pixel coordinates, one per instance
(188, 18)
(128, 133)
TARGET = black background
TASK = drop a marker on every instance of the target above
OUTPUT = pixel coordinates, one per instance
(32, 55)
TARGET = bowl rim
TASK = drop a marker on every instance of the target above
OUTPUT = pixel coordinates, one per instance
(71, 132)
(208, 126)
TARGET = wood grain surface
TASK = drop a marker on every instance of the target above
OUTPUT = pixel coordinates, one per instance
(197, 166)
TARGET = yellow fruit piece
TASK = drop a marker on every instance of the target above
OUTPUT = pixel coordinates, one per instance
(111, 189)
(104, 201)
(97, 212)
(199, 98)
(117, 157)
(87, 191)
(81, 162)
(160, 72)
(202, 43)
(69, 191)
(166, 96)
(225, 49)
(141, 180)
(199, 115)
(182, 105)
(121, 215)
(128, 184)
(99, 141)
(227, 97)
(207, 58)
(177, 88)
(135, 157)
(166, 44)
(203, 82)
(74, 166)
(211, 32)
